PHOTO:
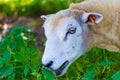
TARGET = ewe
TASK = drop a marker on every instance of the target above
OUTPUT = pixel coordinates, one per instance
(74, 31)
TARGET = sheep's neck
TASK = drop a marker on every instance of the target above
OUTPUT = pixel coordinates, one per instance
(99, 39)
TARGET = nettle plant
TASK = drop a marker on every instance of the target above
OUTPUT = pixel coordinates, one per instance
(19, 56)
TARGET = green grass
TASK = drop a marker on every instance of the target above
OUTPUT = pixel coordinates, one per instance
(97, 64)
(20, 59)
(32, 7)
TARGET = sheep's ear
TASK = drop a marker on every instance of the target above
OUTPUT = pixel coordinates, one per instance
(44, 17)
(91, 18)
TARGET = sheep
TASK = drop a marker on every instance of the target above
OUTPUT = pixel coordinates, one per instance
(74, 31)
(106, 34)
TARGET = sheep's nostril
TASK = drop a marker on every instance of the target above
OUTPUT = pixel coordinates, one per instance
(48, 64)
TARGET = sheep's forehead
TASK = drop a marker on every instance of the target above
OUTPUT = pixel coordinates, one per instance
(55, 20)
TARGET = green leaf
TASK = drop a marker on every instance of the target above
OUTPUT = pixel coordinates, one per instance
(5, 71)
(94, 68)
(116, 76)
(111, 63)
(79, 67)
(17, 30)
(103, 63)
(34, 69)
(6, 56)
(1, 62)
(5, 41)
(11, 77)
(26, 69)
(90, 75)
(19, 57)
(73, 73)
(48, 75)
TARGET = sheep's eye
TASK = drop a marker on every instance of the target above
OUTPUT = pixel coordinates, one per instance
(72, 30)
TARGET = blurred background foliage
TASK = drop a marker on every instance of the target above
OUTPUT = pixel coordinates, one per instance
(32, 7)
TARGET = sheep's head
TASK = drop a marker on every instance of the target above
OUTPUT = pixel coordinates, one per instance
(66, 33)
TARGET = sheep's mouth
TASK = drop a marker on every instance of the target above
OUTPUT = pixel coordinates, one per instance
(59, 71)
